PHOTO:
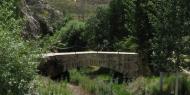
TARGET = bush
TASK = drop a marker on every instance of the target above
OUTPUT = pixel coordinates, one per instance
(97, 87)
(98, 30)
(45, 86)
(73, 35)
(17, 57)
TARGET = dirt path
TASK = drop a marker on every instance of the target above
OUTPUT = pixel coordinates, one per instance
(77, 90)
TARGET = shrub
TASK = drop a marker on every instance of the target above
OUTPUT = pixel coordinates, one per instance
(17, 57)
(45, 86)
(73, 35)
(97, 87)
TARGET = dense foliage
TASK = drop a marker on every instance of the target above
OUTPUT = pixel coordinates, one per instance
(73, 36)
(97, 28)
(157, 30)
(18, 58)
(170, 22)
(111, 26)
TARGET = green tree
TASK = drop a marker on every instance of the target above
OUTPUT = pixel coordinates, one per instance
(121, 19)
(18, 58)
(111, 25)
(171, 27)
(98, 30)
(73, 35)
(143, 30)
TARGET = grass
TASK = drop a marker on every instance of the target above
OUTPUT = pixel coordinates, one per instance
(46, 86)
(140, 86)
(97, 86)
(151, 85)
(102, 84)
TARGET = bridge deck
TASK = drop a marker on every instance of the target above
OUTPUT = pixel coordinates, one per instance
(88, 52)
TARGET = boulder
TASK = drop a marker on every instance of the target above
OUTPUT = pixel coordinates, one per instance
(40, 18)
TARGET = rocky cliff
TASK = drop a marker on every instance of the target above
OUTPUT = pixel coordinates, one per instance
(40, 18)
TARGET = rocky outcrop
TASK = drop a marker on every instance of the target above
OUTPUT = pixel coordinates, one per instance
(40, 18)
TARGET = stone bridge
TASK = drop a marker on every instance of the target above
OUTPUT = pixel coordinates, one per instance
(126, 63)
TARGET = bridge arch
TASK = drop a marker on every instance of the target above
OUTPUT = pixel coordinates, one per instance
(126, 63)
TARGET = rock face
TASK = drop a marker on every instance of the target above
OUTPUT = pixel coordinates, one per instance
(40, 18)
